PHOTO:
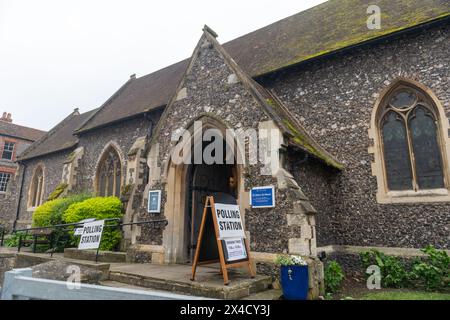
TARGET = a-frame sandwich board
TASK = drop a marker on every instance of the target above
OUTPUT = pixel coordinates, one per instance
(208, 215)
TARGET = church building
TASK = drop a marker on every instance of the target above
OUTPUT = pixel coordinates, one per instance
(350, 122)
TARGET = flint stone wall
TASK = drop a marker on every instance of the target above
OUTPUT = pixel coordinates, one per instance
(53, 168)
(123, 134)
(334, 98)
(208, 92)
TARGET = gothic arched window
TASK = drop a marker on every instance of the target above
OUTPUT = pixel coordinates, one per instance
(109, 174)
(411, 141)
(37, 187)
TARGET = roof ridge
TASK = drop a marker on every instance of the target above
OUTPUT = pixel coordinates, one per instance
(173, 96)
(247, 80)
(163, 68)
(21, 132)
(49, 133)
(282, 44)
(260, 93)
(94, 111)
(110, 99)
(22, 126)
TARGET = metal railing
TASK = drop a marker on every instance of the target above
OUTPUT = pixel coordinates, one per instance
(20, 284)
(62, 231)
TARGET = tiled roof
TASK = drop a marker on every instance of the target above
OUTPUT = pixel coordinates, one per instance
(21, 132)
(323, 29)
(61, 137)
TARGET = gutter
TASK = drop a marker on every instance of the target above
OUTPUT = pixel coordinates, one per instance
(48, 153)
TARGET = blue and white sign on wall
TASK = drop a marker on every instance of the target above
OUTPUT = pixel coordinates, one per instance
(262, 197)
(154, 201)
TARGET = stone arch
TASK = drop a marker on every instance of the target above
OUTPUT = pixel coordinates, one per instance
(175, 187)
(36, 189)
(213, 122)
(378, 166)
(114, 148)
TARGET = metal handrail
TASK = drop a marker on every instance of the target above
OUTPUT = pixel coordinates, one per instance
(72, 226)
(145, 222)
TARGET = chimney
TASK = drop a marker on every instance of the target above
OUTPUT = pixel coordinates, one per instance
(6, 117)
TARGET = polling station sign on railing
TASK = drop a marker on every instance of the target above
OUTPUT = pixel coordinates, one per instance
(91, 235)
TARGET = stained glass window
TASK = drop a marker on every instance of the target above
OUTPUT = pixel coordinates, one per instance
(109, 174)
(426, 149)
(396, 153)
(403, 99)
(411, 147)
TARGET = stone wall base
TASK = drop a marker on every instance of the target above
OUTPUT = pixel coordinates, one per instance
(7, 261)
(349, 256)
(142, 253)
(264, 265)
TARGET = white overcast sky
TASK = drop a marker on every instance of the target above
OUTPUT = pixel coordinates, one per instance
(56, 55)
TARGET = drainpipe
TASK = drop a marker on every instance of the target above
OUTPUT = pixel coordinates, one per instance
(22, 178)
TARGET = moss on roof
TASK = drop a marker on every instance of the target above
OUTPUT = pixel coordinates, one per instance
(328, 27)
(333, 25)
(297, 134)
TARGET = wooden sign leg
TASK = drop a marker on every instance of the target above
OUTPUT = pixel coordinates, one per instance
(199, 240)
(219, 245)
(250, 266)
(223, 266)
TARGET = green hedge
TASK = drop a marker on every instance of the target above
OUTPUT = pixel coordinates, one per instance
(99, 208)
(51, 212)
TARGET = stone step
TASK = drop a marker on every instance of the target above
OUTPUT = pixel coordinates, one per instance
(175, 278)
(271, 294)
(116, 284)
(28, 259)
(89, 255)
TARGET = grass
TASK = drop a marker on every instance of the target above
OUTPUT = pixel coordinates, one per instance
(405, 295)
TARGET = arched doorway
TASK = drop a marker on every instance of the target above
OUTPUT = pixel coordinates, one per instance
(205, 180)
(188, 184)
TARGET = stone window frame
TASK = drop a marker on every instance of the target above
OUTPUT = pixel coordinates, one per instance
(378, 168)
(33, 188)
(5, 179)
(114, 145)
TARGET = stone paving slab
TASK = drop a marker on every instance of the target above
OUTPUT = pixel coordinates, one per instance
(176, 278)
(89, 255)
(28, 259)
(273, 294)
